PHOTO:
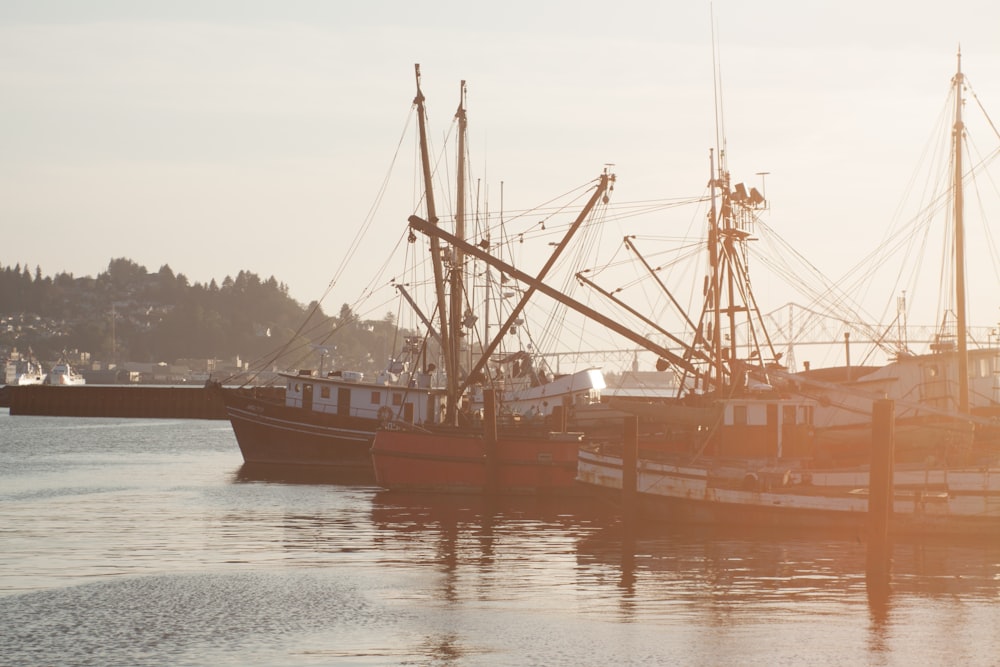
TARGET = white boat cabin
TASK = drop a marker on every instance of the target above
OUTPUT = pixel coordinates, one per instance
(346, 393)
(755, 427)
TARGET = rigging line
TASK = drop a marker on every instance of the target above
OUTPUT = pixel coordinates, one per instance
(440, 158)
(899, 231)
(285, 350)
(829, 313)
(448, 198)
(839, 309)
(986, 115)
(943, 197)
(640, 277)
(370, 217)
(617, 210)
(366, 294)
(282, 349)
(827, 294)
(556, 314)
(991, 244)
(754, 323)
(508, 238)
(615, 216)
(377, 281)
(576, 193)
(946, 268)
(864, 268)
(681, 247)
(592, 235)
(791, 275)
(717, 89)
(584, 190)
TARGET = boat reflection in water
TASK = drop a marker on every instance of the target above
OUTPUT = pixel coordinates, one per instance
(300, 474)
(697, 580)
(768, 577)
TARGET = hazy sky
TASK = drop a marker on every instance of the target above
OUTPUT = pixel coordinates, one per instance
(216, 136)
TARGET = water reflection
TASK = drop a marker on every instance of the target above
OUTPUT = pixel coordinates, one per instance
(778, 576)
(300, 474)
(717, 578)
(724, 592)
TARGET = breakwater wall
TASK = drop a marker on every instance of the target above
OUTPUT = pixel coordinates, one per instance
(122, 401)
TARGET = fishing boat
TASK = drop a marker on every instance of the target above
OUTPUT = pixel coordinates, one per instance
(929, 422)
(947, 398)
(760, 462)
(520, 443)
(330, 418)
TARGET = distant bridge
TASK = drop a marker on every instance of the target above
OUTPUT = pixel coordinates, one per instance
(917, 337)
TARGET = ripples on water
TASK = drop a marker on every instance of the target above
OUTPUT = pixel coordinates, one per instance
(133, 542)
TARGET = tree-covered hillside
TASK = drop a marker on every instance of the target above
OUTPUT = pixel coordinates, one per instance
(129, 314)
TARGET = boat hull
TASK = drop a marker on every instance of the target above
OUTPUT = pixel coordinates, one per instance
(273, 434)
(942, 440)
(961, 502)
(457, 462)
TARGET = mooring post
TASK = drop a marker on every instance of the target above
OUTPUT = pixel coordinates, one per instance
(630, 472)
(490, 440)
(880, 486)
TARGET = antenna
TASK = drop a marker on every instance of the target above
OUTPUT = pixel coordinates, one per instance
(720, 128)
(763, 184)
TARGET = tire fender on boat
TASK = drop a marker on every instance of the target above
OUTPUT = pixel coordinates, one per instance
(385, 414)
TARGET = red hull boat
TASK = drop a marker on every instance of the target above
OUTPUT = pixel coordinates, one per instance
(465, 462)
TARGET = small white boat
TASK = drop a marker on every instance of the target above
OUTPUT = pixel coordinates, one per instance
(62, 374)
(29, 372)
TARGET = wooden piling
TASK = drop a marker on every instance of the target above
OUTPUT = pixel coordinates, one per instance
(630, 472)
(490, 440)
(880, 489)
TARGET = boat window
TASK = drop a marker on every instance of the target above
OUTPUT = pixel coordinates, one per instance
(739, 415)
(397, 399)
(376, 398)
(788, 416)
(324, 392)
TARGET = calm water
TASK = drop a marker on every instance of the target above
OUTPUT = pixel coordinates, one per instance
(144, 542)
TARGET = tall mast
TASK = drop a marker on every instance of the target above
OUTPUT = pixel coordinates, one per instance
(435, 247)
(458, 258)
(728, 232)
(539, 285)
(957, 136)
(715, 286)
(605, 183)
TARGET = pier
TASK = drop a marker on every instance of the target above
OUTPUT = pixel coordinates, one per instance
(145, 401)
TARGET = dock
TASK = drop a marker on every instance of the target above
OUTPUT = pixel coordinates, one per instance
(143, 401)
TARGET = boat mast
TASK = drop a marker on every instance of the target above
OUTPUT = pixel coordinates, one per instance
(957, 136)
(605, 184)
(458, 258)
(715, 279)
(538, 284)
(714, 300)
(435, 251)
